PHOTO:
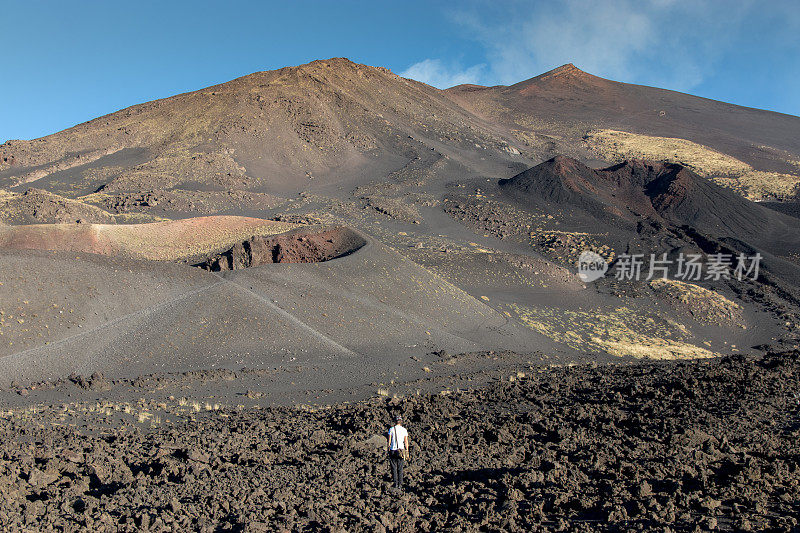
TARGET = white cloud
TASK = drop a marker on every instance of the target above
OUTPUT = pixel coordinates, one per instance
(599, 40)
(435, 72)
(671, 43)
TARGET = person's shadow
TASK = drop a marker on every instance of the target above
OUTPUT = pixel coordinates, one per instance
(433, 482)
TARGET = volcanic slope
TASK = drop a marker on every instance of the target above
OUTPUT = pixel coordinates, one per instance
(170, 240)
(355, 316)
(627, 192)
(654, 208)
(332, 144)
(570, 111)
(326, 122)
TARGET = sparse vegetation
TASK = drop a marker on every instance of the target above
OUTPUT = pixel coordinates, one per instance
(163, 241)
(621, 332)
(721, 168)
(704, 304)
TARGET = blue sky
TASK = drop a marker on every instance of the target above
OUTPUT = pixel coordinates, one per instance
(67, 62)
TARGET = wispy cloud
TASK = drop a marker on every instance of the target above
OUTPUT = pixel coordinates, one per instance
(435, 72)
(600, 37)
(671, 43)
(744, 52)
(668, 42)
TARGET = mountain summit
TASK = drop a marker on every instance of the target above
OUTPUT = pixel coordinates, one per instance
(564, 72)
(565, 104)
(251, 142)
(264, 132)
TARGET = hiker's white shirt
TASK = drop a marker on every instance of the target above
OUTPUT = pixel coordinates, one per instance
(397, 438)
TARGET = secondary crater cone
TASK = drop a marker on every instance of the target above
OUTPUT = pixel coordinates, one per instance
(306, 245)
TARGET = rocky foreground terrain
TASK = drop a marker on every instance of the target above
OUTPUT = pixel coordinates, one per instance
(650, 447)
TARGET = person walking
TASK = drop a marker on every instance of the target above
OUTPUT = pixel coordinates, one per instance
(398, 451)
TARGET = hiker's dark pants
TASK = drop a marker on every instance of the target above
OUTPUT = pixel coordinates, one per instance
(397, 462)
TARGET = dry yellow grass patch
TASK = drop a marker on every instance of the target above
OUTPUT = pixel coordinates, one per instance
(704, 304)
(658, 349)
(162, 241)
(686, 292)
(621, 332)
(13, 205)
(722, 169)
(137, 218)
(177, 239)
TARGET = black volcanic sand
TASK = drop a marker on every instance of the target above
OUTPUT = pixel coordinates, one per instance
(625, 194)
(562, 207)
(358, 317)
(417, 172)
(646, 447)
